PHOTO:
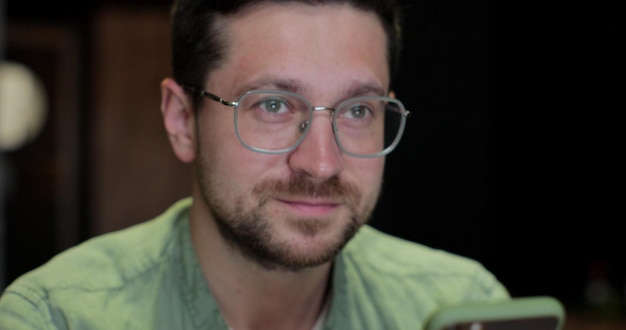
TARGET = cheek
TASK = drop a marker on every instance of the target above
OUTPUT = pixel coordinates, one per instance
(368, 174)
(235, 168)
(219, 144)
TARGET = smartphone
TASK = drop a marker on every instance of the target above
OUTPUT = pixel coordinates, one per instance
(523, 313)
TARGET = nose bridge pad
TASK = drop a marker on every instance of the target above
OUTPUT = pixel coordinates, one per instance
(306, 125)
(303, 125)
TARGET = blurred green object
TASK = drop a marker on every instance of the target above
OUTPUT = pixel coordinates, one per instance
(524, 313)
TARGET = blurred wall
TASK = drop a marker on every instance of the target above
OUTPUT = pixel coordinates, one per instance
(132, 171)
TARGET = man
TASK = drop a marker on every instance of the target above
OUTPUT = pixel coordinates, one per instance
(284, 109)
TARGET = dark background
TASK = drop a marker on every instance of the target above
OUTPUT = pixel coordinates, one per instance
(511, 154)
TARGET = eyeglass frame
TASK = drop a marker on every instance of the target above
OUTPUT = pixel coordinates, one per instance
(235, 104)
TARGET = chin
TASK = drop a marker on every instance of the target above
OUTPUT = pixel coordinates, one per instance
(309, 248)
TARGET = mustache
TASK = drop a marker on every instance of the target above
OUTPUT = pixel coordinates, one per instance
(303, 186)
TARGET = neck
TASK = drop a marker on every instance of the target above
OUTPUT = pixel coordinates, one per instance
(250, 296)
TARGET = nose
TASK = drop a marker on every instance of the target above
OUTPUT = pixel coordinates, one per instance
(318, 155)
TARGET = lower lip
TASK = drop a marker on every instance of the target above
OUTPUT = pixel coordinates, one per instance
(311, 209)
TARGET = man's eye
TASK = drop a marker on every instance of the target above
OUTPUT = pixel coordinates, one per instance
(357, 112)
(273, 106)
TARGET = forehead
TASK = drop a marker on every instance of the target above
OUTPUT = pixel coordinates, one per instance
(305, 43)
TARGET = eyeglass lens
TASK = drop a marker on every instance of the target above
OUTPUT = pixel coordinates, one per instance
(277, 121)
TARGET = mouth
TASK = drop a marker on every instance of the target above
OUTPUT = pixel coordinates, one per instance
(310, 207)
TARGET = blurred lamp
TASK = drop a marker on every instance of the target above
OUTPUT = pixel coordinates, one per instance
(23, 106)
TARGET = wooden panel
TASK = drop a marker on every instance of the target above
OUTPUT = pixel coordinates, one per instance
(134, 174)
(43, 177)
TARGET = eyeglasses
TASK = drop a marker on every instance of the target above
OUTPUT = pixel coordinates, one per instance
(276, 122)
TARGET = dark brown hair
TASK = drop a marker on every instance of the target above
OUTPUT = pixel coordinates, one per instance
(198, 44)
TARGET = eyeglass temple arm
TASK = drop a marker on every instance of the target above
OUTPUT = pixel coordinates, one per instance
(211, 96)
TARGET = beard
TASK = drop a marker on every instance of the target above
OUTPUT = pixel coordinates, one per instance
(250, 230)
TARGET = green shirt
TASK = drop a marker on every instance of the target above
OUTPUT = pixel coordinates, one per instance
(148, 277)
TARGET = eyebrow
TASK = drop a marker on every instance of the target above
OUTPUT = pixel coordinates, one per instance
(353, 89)
(273, 83)
(365, 89)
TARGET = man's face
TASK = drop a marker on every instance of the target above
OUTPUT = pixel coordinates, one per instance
(297, 209)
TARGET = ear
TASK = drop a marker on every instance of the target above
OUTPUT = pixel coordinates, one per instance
(179, 120)
(392, 94)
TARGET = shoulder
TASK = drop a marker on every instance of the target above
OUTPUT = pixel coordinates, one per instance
(111, 259)
(98, 266)
(384, 252)
(390, 260)
(401, 283)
